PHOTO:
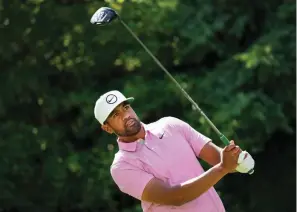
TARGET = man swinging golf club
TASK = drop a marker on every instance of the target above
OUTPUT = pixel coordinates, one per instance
(157, 162)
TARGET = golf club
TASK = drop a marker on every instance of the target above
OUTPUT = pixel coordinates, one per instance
(106, 15)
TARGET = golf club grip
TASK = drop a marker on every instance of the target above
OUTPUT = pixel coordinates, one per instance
(195, 105)
(224, 139)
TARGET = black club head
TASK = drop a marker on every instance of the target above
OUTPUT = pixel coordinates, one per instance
(103, 16)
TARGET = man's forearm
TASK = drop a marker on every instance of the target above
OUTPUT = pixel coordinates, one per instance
(193, 188)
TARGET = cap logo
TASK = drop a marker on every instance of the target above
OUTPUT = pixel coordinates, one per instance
(111, 99)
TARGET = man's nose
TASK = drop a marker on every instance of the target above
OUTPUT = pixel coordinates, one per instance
(126, 116)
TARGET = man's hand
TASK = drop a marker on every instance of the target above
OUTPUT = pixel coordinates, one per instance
(229, 157)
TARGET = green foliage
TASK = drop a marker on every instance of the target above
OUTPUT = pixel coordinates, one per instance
(237, 60)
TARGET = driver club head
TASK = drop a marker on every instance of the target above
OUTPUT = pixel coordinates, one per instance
(103, 16)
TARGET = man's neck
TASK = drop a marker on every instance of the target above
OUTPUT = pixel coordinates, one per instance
(130, 139)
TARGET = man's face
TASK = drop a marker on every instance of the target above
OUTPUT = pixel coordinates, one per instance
(123, 121)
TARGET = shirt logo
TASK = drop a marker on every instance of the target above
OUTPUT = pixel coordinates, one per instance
(111, 99)
(161, 136)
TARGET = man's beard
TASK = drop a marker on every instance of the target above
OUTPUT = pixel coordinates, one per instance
(132, 127)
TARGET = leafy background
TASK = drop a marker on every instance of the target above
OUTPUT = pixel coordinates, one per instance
(236, 59)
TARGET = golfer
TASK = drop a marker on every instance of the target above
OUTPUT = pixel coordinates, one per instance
(157, 162)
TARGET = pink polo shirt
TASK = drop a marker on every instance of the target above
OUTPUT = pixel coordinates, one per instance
(168, 152)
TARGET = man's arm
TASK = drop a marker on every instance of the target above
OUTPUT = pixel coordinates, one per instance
(210, 153)
(158, 192)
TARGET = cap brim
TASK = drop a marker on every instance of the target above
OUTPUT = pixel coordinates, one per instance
(130, 99)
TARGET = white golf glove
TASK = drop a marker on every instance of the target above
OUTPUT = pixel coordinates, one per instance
(245, 165)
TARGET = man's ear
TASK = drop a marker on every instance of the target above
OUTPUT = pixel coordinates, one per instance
(107, 128)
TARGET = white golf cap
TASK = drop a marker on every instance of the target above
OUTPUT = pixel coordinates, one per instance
(107, 103)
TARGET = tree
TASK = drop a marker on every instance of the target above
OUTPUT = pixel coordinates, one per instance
(236, 60)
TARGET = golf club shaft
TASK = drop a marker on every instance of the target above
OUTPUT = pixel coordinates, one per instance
(195, 105)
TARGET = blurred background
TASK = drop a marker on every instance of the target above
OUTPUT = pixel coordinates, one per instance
(235, 58)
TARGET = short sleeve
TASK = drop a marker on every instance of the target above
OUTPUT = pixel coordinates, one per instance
(196, 139)
(130, 179)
